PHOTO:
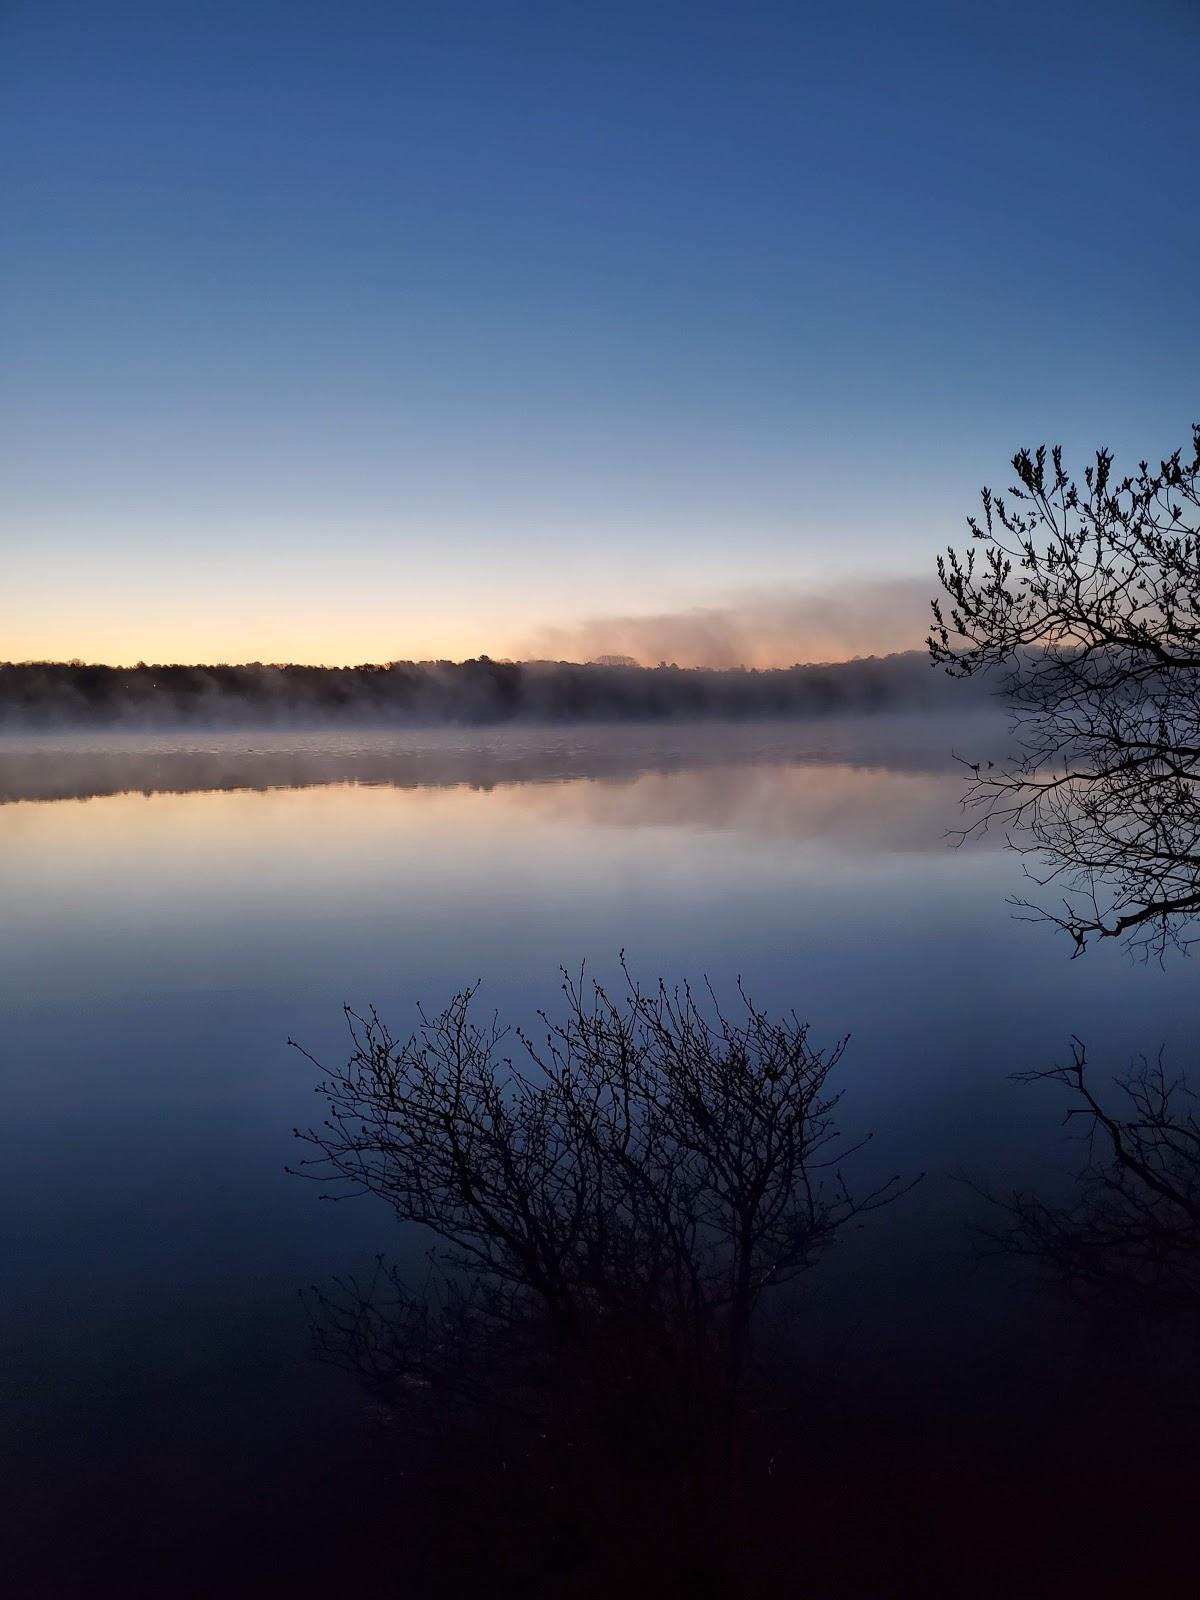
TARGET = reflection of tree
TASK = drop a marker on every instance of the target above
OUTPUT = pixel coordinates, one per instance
(502, 760)
(1088, 600)
(1131, 1235)
(611, 1212)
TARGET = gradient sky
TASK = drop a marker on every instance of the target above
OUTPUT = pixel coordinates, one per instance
(350, 331)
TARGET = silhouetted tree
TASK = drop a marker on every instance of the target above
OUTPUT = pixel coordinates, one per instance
(610, 1214)
(1086, 602)
(1131, 1234)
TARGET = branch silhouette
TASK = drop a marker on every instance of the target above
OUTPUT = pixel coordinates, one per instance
(1083, 605)
(1131, 1234)
(608, 1212)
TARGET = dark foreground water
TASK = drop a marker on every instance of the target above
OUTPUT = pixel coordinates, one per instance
(172, 913)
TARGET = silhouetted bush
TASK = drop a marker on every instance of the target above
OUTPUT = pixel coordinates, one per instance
(610, 1213)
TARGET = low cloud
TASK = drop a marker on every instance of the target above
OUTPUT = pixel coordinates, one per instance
(755, 628)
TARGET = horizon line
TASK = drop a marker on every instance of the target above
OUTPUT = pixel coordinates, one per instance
(611, 664)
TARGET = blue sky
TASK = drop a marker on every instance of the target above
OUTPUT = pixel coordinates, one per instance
(358, 331)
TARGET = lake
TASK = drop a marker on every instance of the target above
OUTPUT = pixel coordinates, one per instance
(175, 909)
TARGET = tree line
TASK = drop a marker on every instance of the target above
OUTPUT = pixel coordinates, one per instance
(480, 691)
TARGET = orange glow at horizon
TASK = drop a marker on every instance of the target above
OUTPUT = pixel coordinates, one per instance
(196, 643)
(715, 637)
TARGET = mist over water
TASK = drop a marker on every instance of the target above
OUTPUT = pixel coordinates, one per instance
(80, 764)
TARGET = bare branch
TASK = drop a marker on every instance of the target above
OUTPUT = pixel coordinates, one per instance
(1083, 605)
(609, 1212)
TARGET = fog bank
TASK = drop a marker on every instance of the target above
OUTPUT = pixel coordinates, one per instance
(757, 628)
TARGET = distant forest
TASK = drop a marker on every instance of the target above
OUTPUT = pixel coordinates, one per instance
(481, 691)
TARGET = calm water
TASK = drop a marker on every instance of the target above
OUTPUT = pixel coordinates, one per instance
(173, 912)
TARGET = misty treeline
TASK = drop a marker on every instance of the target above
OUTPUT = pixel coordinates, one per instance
(49, 694)
(610, 1202)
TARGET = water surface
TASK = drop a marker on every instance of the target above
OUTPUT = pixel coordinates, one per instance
(175, 910)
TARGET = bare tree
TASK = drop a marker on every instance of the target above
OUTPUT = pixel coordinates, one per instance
(1086, 604)
(1131, 1234)
(608, 1214)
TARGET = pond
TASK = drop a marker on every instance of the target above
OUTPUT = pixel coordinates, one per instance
(175, 909)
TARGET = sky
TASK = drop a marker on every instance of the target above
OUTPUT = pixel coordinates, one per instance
(367, 331)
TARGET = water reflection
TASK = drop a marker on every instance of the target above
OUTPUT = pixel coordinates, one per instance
(84, 766)
(882, 788)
